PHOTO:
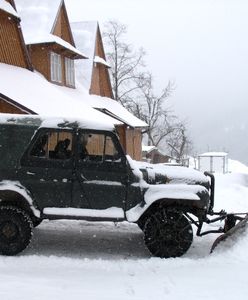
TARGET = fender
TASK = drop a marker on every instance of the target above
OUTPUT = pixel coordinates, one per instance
(195, 195)
(18, 188)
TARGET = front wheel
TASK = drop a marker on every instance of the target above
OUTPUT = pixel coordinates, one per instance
(15, 230)
(168, 233)
(36, 221)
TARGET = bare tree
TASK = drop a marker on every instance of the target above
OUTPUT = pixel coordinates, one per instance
(179, 143)
(125, 62)
(151, 108)
(133, 87)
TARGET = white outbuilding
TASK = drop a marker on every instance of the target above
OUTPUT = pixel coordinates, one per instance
(213, 162)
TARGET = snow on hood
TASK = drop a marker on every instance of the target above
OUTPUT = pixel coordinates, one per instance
(175, 174)
(181, 183)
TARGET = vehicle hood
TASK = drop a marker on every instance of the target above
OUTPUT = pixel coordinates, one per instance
(162, 173)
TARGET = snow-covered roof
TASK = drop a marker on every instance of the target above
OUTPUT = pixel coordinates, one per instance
(148, 148)
(50, 38)
(84, 34)
(34, 92)
(38, 16)
(7, 7)
(100, 60)
(45, 98)
(107, 105)
(211, 154)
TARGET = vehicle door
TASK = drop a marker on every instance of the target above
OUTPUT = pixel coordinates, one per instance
(46, 168)
(101, 173)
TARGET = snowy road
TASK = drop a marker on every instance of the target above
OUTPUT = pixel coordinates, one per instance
(82, 260)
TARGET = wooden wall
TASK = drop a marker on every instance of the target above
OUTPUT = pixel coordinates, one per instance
(131, 141)
(62, 27)
(100, 83)
(10, 39)
(9, 108)
(40, 57)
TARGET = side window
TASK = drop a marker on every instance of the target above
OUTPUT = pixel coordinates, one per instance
(53, 145)
(97, 148)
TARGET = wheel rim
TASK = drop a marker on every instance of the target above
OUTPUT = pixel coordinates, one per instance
(9, 231)
(168, 234)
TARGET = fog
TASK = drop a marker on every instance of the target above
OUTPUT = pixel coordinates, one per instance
(202, 46)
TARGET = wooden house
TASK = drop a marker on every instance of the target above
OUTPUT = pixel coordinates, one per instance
(49, 39)
(50, 46)
(11, 37)
(12, 48)
(153, 155)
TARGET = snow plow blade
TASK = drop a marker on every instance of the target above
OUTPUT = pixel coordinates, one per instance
(238, 228)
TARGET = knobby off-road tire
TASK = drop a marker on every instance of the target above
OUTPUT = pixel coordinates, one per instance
(15, 230)
(168, 233)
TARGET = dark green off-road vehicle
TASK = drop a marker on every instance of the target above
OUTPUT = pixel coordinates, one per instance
(70, 169)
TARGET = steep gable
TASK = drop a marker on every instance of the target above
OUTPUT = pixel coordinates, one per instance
(12, 3)
(38, 17)
(93, 73)
(61, 26)
(100, 84)
(48, 36)
(12, 50)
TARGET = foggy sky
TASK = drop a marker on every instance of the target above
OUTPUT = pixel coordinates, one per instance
(201, 45)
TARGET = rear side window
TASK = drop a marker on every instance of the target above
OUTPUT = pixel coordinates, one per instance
(53, 145)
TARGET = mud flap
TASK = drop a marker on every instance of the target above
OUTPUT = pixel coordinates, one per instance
(239, 227)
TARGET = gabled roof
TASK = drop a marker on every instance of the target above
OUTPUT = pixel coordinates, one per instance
(84, 34)
(44, 98)
(38, 20)
(38, 17)
(8, 8)
(50, 39)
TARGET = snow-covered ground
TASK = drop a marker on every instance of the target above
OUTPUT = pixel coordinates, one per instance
(82, 260)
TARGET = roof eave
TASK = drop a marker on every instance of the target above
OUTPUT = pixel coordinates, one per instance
(72, 53)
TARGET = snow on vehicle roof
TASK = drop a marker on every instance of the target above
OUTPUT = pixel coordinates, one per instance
(7, 7)
(218, 154)
(34, 92)
(51, 121)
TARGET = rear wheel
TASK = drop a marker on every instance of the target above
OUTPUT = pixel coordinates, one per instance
(15, 230)
(168, 233)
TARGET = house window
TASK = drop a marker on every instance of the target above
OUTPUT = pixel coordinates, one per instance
(56, 67)
(69, 72)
